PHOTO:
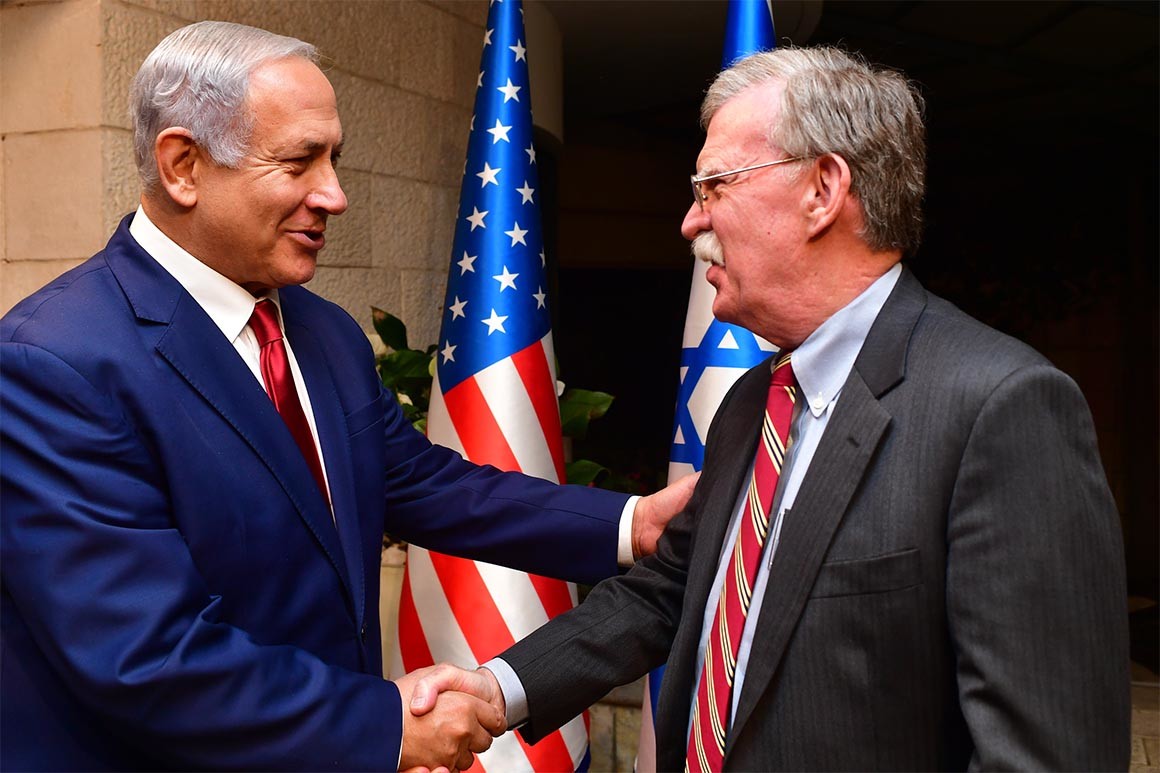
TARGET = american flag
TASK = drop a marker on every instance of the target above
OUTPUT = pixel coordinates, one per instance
(714, 354)
(494, 397)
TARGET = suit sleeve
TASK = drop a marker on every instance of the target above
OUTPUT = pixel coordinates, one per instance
(1036, 584)
(624, 628)
(109, 593)
(438, 501)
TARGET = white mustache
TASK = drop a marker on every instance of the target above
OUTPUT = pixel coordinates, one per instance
(707, 247)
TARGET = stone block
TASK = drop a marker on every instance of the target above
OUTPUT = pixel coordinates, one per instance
(128, 34)
(3, 220)
(1152, 749)
(384, 127)
(1139, 754)
(52, 205)
(357, 290)
(602, 743)
(20, 279)
(348, 236)
(122, 189)
(414, 224)
(425, 51)
(50, 73)
(468, 10)
(422, 305)
(467, 51)
(627, 737)
(395, 132)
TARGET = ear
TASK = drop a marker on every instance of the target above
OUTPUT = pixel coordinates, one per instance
(828, 192)
(178, 163)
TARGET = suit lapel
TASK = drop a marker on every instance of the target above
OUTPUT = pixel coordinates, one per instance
(187, 338)
(332, 436)
(837, 468)
(834, 474)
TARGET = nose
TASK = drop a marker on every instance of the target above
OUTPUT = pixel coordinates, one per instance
(328, 195)
(696, 221)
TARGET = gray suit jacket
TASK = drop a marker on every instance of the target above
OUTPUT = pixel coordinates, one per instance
(948, 591)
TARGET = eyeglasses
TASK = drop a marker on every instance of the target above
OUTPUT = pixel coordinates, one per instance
(701, 197)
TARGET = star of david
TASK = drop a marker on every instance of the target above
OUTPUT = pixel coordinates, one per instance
(708, 354)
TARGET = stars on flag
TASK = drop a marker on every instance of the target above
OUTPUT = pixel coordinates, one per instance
(506, 279)
(498, 234)
(517, 234)
(476, 218)
(467, 264)
(499, 132)
(488, 176)
(494, 322)
(510, 91)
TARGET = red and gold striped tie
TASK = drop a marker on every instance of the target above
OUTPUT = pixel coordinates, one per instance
(711, 713)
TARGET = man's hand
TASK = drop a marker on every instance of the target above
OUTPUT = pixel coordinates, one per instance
(653, 513)
(481, 683)
(450, 733)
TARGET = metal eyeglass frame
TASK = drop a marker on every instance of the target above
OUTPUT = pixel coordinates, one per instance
(699, 195)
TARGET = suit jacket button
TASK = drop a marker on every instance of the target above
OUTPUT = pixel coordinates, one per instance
(362, 634)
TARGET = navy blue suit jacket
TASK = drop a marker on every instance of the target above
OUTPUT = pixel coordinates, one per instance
(175, 592)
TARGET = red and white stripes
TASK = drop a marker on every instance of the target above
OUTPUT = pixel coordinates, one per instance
(465, 612)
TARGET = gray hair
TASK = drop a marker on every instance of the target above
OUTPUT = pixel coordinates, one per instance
(198, 78)
(834, 102)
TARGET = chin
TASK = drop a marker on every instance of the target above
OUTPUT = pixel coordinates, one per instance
(723, 311)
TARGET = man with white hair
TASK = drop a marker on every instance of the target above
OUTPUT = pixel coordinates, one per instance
(902, 553)
(198, 462)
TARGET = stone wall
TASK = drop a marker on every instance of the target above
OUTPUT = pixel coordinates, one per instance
(404, 72)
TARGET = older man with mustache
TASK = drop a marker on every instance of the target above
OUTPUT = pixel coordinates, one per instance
(903, 553)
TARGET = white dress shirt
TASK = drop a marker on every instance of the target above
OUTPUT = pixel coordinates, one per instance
(229, 305)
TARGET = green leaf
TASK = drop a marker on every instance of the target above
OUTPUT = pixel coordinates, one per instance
(390, 328)
(401, 366)
(578, 407)
(583, 472)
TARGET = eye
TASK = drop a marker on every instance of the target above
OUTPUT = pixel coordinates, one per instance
(334, 158)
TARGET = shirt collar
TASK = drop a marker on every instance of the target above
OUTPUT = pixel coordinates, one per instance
(229, 305)
(824, 360)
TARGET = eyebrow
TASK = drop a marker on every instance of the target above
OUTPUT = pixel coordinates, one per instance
(313, 146)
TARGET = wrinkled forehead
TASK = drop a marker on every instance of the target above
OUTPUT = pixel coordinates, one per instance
(742, 126)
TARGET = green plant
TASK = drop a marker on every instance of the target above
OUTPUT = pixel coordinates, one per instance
(409, 372)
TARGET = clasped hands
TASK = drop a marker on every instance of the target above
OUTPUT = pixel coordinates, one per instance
(449, 716)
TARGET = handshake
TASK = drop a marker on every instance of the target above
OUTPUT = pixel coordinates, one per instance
(449, 715)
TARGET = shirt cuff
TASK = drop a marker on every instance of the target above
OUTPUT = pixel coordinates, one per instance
(624, 557)
(515, 699)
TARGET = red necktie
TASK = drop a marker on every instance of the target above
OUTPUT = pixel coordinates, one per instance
(711, 714)
(280, 386)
